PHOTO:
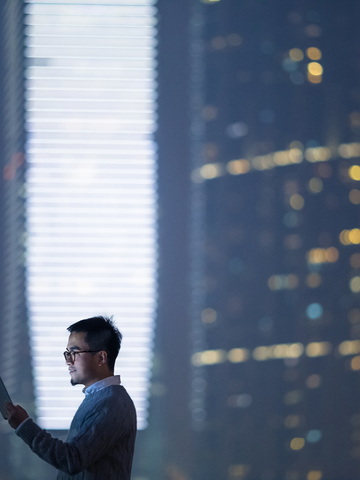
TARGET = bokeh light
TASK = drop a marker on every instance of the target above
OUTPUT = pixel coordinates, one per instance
(354, 196)
(354, 284)
(296, 54)
(313, 53)
(297, 443)
(314, 311)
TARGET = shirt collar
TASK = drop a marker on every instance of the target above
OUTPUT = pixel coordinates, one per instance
(106, 382)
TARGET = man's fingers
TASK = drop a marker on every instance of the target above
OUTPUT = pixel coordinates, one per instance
(9, 407)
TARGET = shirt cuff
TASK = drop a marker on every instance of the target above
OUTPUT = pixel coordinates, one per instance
(21, 424)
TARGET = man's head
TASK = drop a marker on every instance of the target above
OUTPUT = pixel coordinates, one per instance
(98, 342)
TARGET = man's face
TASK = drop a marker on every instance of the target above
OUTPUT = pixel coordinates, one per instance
(83, 370)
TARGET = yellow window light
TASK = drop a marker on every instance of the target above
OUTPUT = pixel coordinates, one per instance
(297, 201)
(295, 350)
(313, 53)
(318, 154)
(354, 284)
(238, 167)
(354, 172)
(354, 236)
(318, 349)
(349, 347)
(314, 68)
(344, 237)
(262, 353)
(332, 254)
(354, 196)
(238, 355)
(314, 475)
(350, 237)
(209, 357)
(314, 78)
(211, 170)
(297, 443)
(349, 150)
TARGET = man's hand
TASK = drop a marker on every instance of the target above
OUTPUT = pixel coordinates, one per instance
(15, 414)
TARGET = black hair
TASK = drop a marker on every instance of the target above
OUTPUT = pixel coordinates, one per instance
(101, 334)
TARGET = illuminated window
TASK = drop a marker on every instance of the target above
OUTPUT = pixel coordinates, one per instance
(237, 355)
(318, 349)
(323, 255)
(354, 196)
(354, 172)
(91, 188)
(350, 237)
(211, 170)
(355, 363)
(314, 78)
(209, 315)
(313, 53)
(297, 443)
(354, 284)
(209, 357)
(314, 311)
(237, 167)
(349, 347)
(297, 201)
(315, 185)
(296, 54)
(314, 475)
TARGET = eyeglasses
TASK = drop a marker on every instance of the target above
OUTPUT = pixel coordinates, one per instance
(69, 355)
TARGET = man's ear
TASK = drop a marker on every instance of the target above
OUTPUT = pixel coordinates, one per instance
(102, 358)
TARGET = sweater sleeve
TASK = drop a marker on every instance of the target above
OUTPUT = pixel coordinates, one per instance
(103, 427)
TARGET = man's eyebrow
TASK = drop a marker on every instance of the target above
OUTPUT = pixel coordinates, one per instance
(73, 348)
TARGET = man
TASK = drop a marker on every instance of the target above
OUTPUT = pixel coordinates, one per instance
(100, 442)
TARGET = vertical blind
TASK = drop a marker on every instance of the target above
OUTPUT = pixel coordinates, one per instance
(91, 188)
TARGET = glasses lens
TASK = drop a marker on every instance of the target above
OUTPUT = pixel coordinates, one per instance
(69, 356)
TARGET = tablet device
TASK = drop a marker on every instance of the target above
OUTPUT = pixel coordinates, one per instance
(4, 397)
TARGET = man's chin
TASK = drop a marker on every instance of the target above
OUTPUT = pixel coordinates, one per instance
(74, 382)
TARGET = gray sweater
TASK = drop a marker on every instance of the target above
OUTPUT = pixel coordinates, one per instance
(100, 442)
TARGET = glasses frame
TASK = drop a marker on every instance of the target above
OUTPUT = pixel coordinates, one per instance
(71, 354)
